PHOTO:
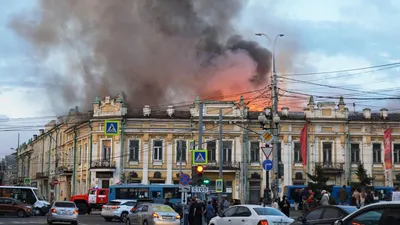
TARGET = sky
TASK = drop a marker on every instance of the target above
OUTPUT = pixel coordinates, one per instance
(326, 35)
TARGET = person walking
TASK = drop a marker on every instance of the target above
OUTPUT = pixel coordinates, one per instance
(324, 198)
(198, 212)
(305, 206)
(210, 212)
(343, 196)
(285, 206)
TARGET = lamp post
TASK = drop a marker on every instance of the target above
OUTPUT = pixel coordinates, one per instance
(275, 120)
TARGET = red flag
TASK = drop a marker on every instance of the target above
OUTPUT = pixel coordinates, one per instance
(303, 144)
(387, 141)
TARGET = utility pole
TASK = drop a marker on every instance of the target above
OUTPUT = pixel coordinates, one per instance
(276, 151)
(17, 157)
(245, 165)
(200, 145)
(221, 156)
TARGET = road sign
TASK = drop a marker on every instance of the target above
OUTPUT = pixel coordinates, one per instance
(111, 127)
(198, 189)
(219, 185)
(267, 151)
(184, 179)
(267, 165)
(199, 157)
(184, 188)
(27, 181)
(267, 137)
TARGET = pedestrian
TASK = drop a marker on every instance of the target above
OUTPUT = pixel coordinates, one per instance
(324, 198)
(210, 212)
(285, 206)
(192, 206)
(356, 196)
(305, 207)
(275, 204)
(198, 213)
(343, 196)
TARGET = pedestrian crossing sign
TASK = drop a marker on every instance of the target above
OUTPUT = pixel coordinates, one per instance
(199, 157)
(111, 127)
(219, 185)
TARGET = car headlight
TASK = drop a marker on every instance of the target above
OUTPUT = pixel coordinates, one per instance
(29, 207)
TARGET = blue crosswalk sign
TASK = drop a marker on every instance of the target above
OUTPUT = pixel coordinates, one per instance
(199, 157)
(111, 127)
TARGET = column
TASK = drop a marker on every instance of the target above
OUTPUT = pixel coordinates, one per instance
(169, 162)
(146, 151)
(287, 160)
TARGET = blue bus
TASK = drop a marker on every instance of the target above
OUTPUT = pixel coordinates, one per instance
(157, 192)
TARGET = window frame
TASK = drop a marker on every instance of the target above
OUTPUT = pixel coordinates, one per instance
(228, 158)
(160, 157)
(185, 151)
(211, 151)
(138, 151)
(330, 153)
(396, 160)
(377, 152)
(297, 151)
(356, 153)
(255, 152)
(102, 158)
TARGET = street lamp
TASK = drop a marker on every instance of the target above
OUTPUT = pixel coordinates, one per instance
(276, 118)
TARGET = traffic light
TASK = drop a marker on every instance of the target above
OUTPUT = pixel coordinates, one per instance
(206, 181)
(199, 170)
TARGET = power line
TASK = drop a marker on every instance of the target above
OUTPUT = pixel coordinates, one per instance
(342, 71)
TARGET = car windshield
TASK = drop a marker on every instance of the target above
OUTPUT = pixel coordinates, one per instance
(268, 212)
(162, 208)
(114, 203)
(38, 195)
(64, 205)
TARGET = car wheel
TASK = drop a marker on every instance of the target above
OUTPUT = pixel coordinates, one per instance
(82, 208)
(21, 213)
(49, 222)
(108, 219)
(37, 212)
(145, 222)
(75, 223)
(124, 216)
(128, 221)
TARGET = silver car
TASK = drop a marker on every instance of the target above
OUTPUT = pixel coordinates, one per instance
(153, 214)
(63, 211)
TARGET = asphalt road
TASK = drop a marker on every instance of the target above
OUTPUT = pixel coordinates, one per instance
(41, 220)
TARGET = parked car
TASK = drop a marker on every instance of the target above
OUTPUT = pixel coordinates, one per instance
(63, 211)
(251, 215)
(117, 209)
(10, 206)
(382, 213)
(153, 214)
(325, 215)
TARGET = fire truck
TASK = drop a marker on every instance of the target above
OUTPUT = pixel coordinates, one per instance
(94, 199)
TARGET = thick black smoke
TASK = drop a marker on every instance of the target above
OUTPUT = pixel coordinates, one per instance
(156, 51)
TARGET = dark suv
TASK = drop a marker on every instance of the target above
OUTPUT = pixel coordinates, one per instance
(10, 206)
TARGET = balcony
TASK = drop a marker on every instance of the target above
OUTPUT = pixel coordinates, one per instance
(65, 170)
(106, 165)
(225, 166)
(41, 176)
(331, 167)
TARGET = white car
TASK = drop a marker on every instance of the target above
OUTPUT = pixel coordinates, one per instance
(117, 209)
(251, 215)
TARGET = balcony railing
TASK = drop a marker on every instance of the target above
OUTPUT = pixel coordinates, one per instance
(103, 164)
(225, 165)
(65, 169)
(330, 165)
(42, 175)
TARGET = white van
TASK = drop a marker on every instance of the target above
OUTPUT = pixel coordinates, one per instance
(28, 195)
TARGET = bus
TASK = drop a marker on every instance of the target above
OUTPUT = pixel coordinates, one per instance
(28, 195)
(157, 192)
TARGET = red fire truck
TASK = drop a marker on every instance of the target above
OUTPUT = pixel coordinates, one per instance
(94, 199)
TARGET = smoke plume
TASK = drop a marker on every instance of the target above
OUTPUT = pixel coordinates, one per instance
(156, 51)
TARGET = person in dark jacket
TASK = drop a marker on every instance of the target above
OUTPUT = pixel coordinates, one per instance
(192, 206)
(285, 206)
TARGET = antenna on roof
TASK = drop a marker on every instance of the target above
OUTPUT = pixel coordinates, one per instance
(354, 106)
